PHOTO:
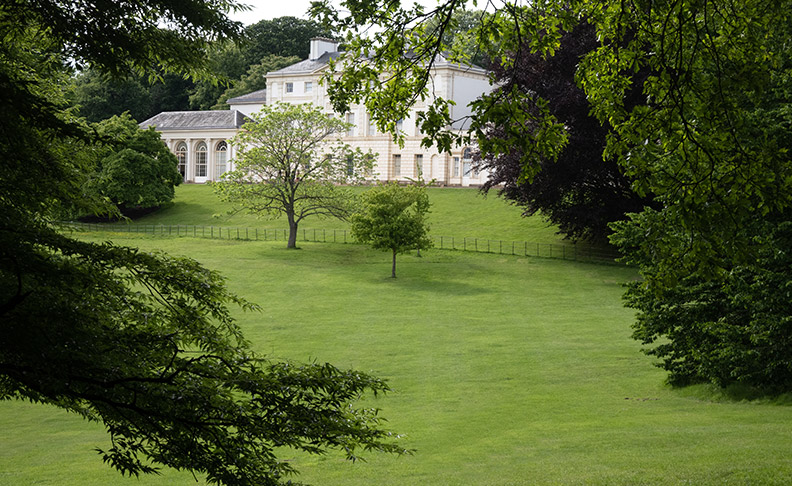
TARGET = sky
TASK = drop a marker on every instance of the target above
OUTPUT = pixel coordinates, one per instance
(270, 9)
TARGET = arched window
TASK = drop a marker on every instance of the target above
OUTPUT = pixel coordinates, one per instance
(181, 156)
(221, 158)
(467, 162)
(200, 160)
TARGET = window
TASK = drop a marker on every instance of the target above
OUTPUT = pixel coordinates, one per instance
(221, 158)
(372, 126)
(467, 162)
(350, 165)
(181, 156)
(290, 87)
(456, 166)
(350, 118)
(418, 165)
(200, 160)
(308, 86)
(399, 125)
(396, 165)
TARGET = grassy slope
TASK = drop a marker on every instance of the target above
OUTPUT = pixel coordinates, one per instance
(458, 212)
(506, 371)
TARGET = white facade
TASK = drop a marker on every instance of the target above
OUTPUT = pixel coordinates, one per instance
(202, 156)
(462, 84)
(200, 140)
(195, 137)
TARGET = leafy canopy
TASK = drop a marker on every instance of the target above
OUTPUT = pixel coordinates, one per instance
(580, 192)
(288, 164)
(254, 79)
(134, 169)
(393, 217)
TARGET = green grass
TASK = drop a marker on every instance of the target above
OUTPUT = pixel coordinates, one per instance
(505, 370)
(458, 212)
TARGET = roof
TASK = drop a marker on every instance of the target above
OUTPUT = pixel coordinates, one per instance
(196, 120)
(255, 97)
(307, 66)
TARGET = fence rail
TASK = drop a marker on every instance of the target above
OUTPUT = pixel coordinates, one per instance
(479, 245)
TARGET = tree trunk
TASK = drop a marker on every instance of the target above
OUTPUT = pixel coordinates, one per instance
(292, 232)
(393, 268)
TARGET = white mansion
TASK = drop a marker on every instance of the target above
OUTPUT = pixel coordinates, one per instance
(200, 138)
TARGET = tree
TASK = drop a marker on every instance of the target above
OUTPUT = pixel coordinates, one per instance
(282, 36)
(392, 217)
(456, 34)
(142, 343)
(135, 170)
(287, 165)
(710, 142)
(255, 78)
(228, 62)
(580, 192)
(99, 97)
(241, 67)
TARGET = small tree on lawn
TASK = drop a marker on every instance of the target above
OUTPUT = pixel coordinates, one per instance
(287, 164)
(393, 217)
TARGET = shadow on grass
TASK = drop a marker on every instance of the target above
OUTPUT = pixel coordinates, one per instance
(417, 283)
(735, 393)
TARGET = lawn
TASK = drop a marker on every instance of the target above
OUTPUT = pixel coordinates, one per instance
(458, 212)
(505, 370)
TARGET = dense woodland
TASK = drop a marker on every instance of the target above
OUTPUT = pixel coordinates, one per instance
(239, 68)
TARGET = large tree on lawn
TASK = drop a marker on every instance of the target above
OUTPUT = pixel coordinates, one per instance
(289, 164)
(140, 342)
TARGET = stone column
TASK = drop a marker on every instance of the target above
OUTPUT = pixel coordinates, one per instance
(189, 173)
(230, 156)
(210, 160)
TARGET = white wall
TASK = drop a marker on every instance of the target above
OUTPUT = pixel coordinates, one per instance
(465, 89)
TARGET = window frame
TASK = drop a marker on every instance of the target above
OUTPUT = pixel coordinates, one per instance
(221, 158)
(201, 159)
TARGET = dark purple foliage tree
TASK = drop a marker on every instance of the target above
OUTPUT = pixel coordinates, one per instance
(580, 192)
